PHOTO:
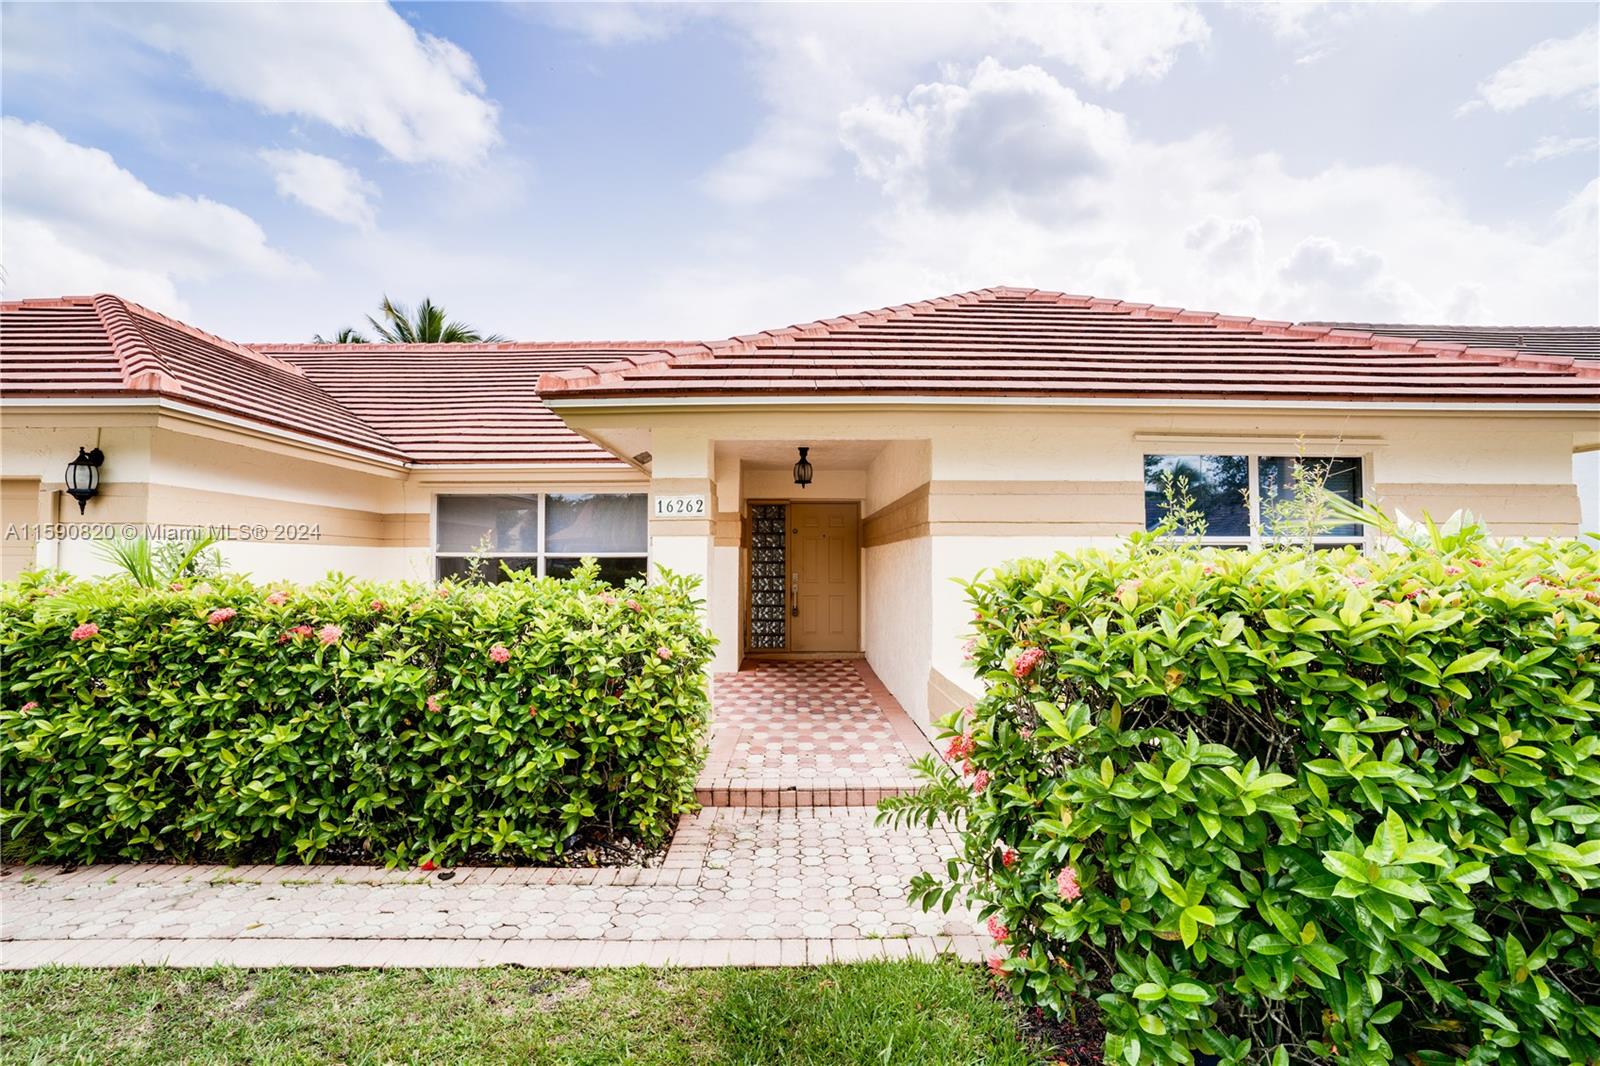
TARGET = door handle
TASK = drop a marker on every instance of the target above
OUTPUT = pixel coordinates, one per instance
(794, 594)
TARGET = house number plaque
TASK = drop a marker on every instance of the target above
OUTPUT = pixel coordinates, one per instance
(680, 506)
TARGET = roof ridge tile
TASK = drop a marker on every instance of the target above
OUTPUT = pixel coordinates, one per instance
(142, 368)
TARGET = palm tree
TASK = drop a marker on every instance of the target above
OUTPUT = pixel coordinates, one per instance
(348, 335)
(397, 325)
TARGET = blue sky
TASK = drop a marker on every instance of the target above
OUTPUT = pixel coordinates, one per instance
(619, 171)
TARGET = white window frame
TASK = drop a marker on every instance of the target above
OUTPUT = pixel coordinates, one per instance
(1257, 539)
(539, 555)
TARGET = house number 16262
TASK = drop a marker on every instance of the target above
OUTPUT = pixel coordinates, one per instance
(680, 506)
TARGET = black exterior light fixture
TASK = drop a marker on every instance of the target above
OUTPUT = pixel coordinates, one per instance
(802, 469)
(83, 476)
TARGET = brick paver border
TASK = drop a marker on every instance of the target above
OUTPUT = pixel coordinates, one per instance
(321, 954)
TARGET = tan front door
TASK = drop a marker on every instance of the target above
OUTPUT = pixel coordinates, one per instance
(824, 575)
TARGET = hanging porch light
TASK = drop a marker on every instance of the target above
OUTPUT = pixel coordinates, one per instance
(83, 476)
(802, 469)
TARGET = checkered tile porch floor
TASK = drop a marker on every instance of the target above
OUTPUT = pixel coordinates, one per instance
(813, 733)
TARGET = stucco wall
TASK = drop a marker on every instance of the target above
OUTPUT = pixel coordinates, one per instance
(896, 635)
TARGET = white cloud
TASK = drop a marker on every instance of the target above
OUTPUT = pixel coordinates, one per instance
(812, 62)
(359, 67)
(77, 222)
(1551, 147)
(1005, 131)
(1197, 223)
(325, 185)
(1550, 70)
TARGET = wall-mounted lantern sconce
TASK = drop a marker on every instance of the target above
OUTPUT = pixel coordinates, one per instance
(802, 469)
(83, 476)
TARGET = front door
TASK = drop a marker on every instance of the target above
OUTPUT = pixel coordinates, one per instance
(824, 575)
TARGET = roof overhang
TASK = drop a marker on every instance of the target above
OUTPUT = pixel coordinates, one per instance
(623, 404)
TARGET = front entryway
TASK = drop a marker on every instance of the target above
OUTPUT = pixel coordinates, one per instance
(804, 579)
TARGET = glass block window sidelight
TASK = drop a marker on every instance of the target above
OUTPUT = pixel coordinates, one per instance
(769, 538)
(1239, 496)
(549, 533)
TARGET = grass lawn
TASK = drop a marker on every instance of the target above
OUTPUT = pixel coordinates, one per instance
(880, 1012)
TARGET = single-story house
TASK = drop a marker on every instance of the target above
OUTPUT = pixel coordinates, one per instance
(940, 437)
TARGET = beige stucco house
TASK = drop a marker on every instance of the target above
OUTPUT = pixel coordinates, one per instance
(942, 436)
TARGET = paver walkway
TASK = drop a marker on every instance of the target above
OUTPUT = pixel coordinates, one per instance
(797, 881)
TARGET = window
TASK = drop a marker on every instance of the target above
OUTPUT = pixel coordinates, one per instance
(549, 534)
(1219, 490)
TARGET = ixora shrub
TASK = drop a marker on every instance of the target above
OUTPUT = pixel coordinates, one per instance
(1288, 806)
(406, 723)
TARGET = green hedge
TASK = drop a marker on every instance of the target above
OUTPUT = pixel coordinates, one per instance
(1289, 807)
(405, 723)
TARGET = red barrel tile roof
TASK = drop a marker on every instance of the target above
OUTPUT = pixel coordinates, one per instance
(458, 403)
(406, 403)
(81, 346)
(1580, 342)
(485, 403)
(1010, 342)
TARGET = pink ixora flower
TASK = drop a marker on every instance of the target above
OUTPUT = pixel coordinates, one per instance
(1478, 562)
(1067, 884)
(500, 653)
(377, 605)
(1454, 571)
(1130, 587)
(85, 631)
(980, 781)
(220, 616)
(969, 649)
(998, 930)
(1025, 663)
(329, 634)
(31, 705)
(633, 605)
(1008, 858)
(960, 747)
(608, 599)
(1025, 733)
(663, 653)
(433, 704)
(442, 591)
(277, 597)
(997, 966)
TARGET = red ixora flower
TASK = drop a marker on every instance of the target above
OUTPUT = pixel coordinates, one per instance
(442, 591)
(429, 865)
(291, 634)
(277, 598)
(220, 616)
(500, 653)
(980, 781)
(85, 631)
(998, 930)
(1478, 562)
(329, 634)
(1067, 884)
(1008, 858)
(1025, 663)
(960, 747)
(997, 966)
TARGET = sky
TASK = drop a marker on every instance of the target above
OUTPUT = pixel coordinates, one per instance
(269, 171)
